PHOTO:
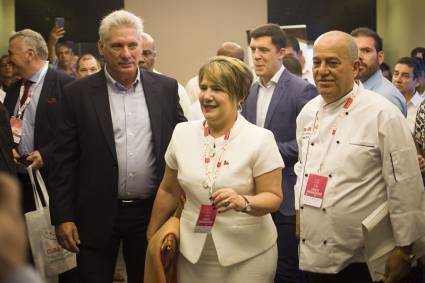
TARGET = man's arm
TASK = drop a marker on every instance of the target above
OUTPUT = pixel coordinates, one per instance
(180, 117)
(55, 34)
(42, 156)
(64, 160)
(405, 193)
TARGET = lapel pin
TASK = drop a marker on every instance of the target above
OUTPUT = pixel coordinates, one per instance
(226, 162)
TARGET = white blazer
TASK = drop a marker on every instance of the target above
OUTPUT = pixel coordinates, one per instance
(251, 152)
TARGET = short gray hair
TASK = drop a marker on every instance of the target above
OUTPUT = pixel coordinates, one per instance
(117, 19)
(32, 39)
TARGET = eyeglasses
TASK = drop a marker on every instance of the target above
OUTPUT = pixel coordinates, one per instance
(147, 52)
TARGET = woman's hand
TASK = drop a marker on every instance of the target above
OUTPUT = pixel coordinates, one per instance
(226, 199)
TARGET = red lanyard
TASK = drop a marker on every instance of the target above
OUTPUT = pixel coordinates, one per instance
(343, 113)
(211, 173)
(23, 106)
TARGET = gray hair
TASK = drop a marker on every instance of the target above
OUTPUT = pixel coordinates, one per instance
(34, 40)
(117, 19)
(148, 38)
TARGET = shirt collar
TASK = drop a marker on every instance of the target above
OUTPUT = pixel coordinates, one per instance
(118, 86)
(275, 79)
(373, 80)
(416, 99)
(306, 71)
(357, 89)
(234, 131)
(39, 74)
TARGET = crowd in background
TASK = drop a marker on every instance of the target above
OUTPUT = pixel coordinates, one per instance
(288, 198)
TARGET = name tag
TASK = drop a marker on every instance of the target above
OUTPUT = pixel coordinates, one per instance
(206, 219)
(16, 126)
(315, 190)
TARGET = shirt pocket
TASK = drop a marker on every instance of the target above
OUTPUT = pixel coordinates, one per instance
(357, 157)
(401, 164)
(365, 144)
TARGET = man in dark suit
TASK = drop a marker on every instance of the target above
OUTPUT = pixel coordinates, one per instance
(274, 103)
(33, 104)
(109, 155)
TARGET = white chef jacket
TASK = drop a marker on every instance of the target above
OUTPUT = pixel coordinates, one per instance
(370, 160)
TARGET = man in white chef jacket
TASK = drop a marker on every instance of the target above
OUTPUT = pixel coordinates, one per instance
(356, 153)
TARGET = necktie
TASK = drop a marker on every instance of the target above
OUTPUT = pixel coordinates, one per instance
(27, 84)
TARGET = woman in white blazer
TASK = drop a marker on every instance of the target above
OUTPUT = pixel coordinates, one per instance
(230, 169)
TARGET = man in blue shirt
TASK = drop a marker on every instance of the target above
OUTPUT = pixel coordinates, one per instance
(371, 56)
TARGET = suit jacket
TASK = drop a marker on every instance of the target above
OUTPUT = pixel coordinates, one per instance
(289, 97)
(6, 143)
(84, 184)
(47, 110)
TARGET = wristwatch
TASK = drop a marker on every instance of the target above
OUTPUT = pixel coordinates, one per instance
(409, 258)
(248, 207)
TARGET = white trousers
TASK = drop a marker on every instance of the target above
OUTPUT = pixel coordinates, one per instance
(259, 269)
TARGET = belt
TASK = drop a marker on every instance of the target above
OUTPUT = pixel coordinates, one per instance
(135, 202)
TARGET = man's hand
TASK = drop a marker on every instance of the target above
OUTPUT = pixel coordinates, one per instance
(55, 34)
(15, 155)
(396, 267)
(67, 235)
(421, 161)
(37, 160)
(12, 233)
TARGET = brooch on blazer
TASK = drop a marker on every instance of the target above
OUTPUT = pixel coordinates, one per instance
(52, 100)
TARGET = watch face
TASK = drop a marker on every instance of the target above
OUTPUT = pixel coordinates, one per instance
(248, 208)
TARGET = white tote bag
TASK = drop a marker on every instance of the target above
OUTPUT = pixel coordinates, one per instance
(49, 257)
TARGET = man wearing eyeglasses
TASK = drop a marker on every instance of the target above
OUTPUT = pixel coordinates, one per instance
(147, 62)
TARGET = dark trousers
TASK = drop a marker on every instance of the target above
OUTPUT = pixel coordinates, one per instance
(354, 273)
(287, 244)
(98, 265)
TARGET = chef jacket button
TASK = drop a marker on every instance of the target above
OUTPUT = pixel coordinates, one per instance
(306, 175)
(303, 240)
(325, 242)
(324, 209)
(337, 142)
(312, 143)
(330, 175)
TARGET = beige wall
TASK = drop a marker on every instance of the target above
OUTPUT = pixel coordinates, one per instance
(7, 23)
(402, 26)
(188, 32)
